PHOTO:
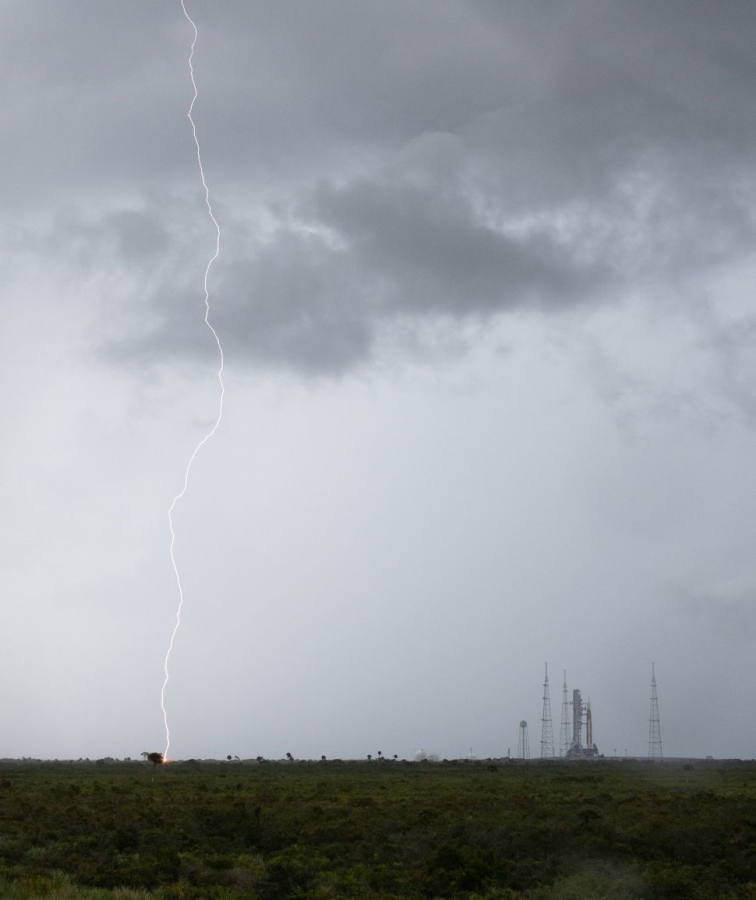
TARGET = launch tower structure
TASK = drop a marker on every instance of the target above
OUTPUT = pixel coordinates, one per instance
(564, 737)
(547, 729)
(654, 726)
(581, 716)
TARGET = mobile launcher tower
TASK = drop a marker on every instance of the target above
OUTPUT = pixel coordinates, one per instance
(581, 716)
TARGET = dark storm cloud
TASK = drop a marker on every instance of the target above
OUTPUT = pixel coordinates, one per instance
(291, 306)
(316, 296)
(82, 43)
(90, 100)
(341, 266)
(435, 253)
(402, 160)
(137, 235)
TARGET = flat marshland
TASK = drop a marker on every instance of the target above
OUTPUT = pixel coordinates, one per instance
(484, 830)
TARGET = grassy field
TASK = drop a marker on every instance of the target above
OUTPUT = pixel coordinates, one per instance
(380, 829)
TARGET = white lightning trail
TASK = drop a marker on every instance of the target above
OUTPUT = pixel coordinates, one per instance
(212, 431)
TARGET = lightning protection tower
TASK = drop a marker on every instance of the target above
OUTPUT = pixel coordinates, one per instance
(654, 726)
(547, 729)
(566, 732)
(523, 745)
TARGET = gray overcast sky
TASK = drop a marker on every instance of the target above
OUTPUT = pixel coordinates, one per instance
(485, 293)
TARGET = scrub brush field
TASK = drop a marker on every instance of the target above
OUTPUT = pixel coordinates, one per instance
(482, 830)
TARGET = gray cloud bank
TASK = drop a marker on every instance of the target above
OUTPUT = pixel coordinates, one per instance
(372, 165)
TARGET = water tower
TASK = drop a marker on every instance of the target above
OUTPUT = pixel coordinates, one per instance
(523, 745)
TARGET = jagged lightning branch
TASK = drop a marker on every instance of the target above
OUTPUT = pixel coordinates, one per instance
(212, 431)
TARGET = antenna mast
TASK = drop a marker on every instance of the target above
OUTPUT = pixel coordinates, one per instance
(654, 726)
(547, 729)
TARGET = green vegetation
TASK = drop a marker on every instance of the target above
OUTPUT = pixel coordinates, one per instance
(380, 829)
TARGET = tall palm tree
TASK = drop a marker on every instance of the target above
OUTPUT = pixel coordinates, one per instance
(157, 759)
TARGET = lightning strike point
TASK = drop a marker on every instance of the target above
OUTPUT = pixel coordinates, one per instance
(221, 386)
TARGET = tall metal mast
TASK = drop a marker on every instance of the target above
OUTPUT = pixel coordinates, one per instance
(547, 729)
(654, 726)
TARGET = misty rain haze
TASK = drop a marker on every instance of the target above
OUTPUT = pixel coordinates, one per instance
(486, 300)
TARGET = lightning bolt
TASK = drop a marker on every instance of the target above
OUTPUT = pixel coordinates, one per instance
(219, 416)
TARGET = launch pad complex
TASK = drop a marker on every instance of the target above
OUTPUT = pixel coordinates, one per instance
(576, 735)
(581, 718)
